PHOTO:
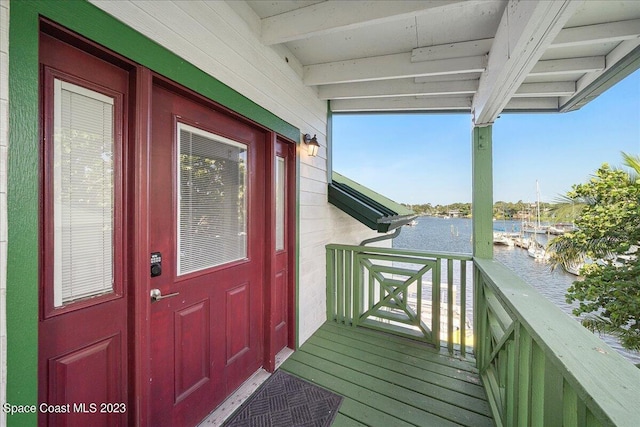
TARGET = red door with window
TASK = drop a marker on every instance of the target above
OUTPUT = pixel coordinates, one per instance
(207, 231)
(83, 336)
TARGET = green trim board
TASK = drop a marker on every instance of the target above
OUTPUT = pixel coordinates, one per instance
(23, 168)
(95, 24)
(22, 213)
(370, 208)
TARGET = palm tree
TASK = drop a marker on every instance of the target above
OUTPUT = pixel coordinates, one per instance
(603, 240)
(564, 251)
(632, 162)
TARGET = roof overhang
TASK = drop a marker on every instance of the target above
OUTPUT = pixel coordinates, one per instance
(365, 205)
(482, 57)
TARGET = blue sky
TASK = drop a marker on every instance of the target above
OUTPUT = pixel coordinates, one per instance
(426, 158)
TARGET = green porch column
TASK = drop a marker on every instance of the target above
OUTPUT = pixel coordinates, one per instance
(482, 199)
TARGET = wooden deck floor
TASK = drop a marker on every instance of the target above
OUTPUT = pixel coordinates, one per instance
(390, 381)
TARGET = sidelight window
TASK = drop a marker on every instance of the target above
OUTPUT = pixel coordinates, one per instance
(83, 189)
(280, 202)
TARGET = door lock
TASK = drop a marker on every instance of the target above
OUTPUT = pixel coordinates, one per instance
(156, 264)
(156, 295)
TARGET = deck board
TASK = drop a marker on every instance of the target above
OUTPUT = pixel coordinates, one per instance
(388, 380)
(436, 366)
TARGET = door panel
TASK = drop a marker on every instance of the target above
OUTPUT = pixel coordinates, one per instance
(238, 321)
(206, 220)
(83, 323)
(192, 345)
(90, 374)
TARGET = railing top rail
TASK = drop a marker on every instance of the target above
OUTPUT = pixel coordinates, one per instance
(405, 252)
(596, 372)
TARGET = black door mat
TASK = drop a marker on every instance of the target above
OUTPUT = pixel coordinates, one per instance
(284, 400)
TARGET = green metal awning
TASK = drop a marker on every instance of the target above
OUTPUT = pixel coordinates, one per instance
(370, 208)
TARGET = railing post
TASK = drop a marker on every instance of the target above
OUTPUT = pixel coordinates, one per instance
(482, 199)
(477, 306)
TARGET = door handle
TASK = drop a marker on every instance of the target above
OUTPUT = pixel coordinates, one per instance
(156, 295)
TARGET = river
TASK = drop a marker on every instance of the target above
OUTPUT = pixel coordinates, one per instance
(454, 235)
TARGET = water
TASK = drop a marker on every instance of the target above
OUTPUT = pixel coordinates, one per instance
(454, 235)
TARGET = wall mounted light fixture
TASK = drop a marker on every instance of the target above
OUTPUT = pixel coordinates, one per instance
(312, 144)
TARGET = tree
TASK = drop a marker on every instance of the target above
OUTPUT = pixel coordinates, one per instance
(609, 233)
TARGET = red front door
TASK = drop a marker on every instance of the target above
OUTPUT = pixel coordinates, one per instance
(206, 236)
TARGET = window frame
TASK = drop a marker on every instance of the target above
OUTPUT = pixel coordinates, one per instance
(49, 76)
(181, 125)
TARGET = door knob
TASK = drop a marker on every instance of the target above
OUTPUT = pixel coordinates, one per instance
(156, 295)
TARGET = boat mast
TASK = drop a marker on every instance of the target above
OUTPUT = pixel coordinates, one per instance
(537, 205)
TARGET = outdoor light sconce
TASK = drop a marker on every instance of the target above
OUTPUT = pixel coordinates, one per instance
(312, 144)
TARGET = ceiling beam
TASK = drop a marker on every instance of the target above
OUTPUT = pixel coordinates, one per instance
(385, 67)
(404, 87)
(568, 37)
(568, 66)
(333, 16)
(536, 90)
(526, 29)
(401, 104)
(452, 50)
(532, 104)
(597, 33)
(447, 78)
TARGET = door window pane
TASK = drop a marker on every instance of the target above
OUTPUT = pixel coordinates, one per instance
(280, 202)
(83, 204)
(212, 208)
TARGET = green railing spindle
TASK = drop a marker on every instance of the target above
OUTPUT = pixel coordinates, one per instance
(462, 331)
(450, 305)
(341, 285)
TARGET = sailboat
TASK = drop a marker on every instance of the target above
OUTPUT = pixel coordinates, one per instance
(536, 250)
(537, 227)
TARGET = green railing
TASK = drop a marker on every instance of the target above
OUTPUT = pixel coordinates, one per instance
(539, 366)
(411, 293)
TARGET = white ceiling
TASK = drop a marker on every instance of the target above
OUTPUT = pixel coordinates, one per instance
(479, 56)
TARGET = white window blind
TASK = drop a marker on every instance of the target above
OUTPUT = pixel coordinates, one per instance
(83, 193)
(212, 210)
(280, 199)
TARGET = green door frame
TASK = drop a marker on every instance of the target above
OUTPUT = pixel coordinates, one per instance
(23, 168)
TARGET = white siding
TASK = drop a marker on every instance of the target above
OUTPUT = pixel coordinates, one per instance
(4, 137)
(221, 39)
